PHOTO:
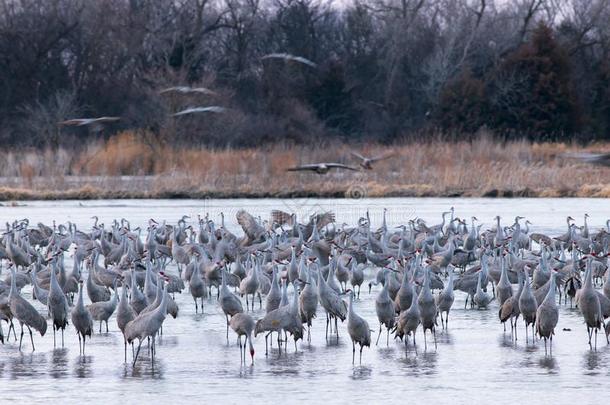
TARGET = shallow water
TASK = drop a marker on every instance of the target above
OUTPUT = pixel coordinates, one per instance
(475, 360)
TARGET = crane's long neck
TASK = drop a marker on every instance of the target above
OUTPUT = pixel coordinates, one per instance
(13, 292)
(503, 274)
(588, 277)
(162, 308)
(550, 295)
(350, 307)
(124, 294)
(80, 303)
(449, 286)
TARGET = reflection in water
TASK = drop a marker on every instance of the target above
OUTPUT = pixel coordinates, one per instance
(507, 340)
(246, 370)
(445, 338)
(144, 368)
(83, 366)
(59, 363)
(422, 364)
(549, 363)
(168, 341)
(26, 365)
(361, 373)
(592, 361)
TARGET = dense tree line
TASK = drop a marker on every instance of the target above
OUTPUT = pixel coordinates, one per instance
(382, 69)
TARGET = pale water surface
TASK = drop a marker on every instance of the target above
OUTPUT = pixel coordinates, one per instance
(475, 360)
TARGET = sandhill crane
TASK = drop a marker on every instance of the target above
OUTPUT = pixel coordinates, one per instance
(38, 292)
(444, 300)
(25, 313)
(274, 297)
(215, 109)
(96, 292)
(79, 122)
(481, 298)
(320, 168)
(331, 302)
(229, 302)
(357, 328)
(103, 310)
(290, 58)
(528, 305)
(342, 272)
(187, 90)
(137, 300)
(57, 304)
(198, 287)
(81, 319)
(602, 159)
(147, 325)
(293, 266)
(547, 316)
(404, 295)
(356, 276)
(285, 318)
(124, 314)
(510, 308)
(427, 308)
(308, 300)
(243, 324)
(385, 310)
(367, 162)
(249, 285)
(409, 320)
(504, 289)
(588, 303)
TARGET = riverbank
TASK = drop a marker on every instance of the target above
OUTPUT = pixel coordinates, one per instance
(126, 167)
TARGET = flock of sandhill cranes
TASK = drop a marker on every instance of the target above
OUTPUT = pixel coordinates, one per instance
(125, 273)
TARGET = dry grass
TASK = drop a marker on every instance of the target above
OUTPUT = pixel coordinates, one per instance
(480, 168)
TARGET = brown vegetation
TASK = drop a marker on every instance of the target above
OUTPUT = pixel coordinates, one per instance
(127, 167)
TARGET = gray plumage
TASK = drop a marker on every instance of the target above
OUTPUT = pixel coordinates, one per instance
(357, 328)
(82, 321)
(25, 313)
(427, 308)
(57, 304)
(547, 315)
(528, 305)
(103, 310)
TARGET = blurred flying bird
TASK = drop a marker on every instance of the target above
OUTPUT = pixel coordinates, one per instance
(192, 110)
(320, 168)
(602, 159)
(187, 90)
(88, 121)
(289, 57)
(367, 163)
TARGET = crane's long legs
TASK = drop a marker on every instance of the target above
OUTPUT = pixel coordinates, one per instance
(353, 352)
(137, 353)
(425, 341)
(336, 328)
(21, 337)
(31, 339)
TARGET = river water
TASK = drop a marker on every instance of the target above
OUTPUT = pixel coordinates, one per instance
(475, 360)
